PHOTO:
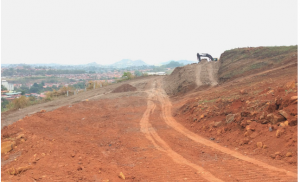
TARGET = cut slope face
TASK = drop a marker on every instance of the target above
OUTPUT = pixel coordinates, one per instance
(241, 62)
(184, 79)
(255, 115)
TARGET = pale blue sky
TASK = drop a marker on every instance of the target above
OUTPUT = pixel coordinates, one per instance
(78, 32)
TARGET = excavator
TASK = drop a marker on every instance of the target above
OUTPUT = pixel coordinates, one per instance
(207, 56)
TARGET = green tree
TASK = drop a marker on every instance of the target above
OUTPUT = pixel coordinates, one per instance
(4, 103)
(26, 66)
(138, 73)
(79, 85)
(8, 72)
(23, 89)
(127, 75)
(173, 64)
(36, 88)
(3, 88)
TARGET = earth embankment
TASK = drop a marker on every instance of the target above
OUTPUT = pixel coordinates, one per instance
(240, 62)
(190, 77)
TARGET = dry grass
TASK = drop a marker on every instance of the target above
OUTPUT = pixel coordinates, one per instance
(20, 102)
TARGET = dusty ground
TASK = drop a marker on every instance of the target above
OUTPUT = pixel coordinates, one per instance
(149, 136)
(12, 116)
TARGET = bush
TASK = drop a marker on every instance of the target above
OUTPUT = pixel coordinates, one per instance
(127, 75)
(10, 106)
(98, 84)
(20, 102)
(31, 98)
(4, 102)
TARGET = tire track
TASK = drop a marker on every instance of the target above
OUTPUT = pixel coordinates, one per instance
(167, 115)
(151, 135)
(198, 71)
(211, 74)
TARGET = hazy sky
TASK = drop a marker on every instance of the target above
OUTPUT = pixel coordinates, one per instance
(78, 32)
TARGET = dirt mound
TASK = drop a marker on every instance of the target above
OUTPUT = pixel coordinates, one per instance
(124, 88)
(189, 77)
(241, 62)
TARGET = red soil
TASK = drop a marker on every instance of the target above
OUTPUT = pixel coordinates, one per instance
(124, 88)
(150, 137)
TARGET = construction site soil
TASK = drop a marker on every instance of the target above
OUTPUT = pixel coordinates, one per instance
(124, 88)
(182, 127)
(184, 79)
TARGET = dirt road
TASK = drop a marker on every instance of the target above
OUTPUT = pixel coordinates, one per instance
(211, 161)
(206, 73)
(198, 78)
(131, 132)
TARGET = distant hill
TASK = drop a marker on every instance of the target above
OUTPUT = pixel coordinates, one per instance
(184, 62)
(5, 65)
(93, 64)
(45, 64)
(127, 63)
(124, 63)
(120, 64)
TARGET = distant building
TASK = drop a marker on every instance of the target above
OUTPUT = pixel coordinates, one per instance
(10, 95)
(9, 86)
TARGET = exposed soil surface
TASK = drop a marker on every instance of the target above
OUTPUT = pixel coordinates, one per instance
(240, 62)
(12, 116)
(124, 88)
(242, 130)
(185, 79)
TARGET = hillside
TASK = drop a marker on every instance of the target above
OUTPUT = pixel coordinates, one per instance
(188, 126)
(193, 76)
(239, 62)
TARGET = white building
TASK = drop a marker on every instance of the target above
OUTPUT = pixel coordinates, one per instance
(9, 86)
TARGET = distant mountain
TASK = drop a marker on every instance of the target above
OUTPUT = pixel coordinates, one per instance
(34, 64)
(124, 63)
(93, 64)
(5, 65)
(45, 64)
(185, 62)
(127, 63)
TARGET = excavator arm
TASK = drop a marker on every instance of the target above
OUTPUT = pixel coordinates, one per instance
(210, 57)
(205, 55)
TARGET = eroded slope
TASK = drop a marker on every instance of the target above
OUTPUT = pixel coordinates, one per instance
(189, 77)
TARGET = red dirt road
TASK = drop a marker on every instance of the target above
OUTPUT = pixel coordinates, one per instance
(134, 133)
(252, 167)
